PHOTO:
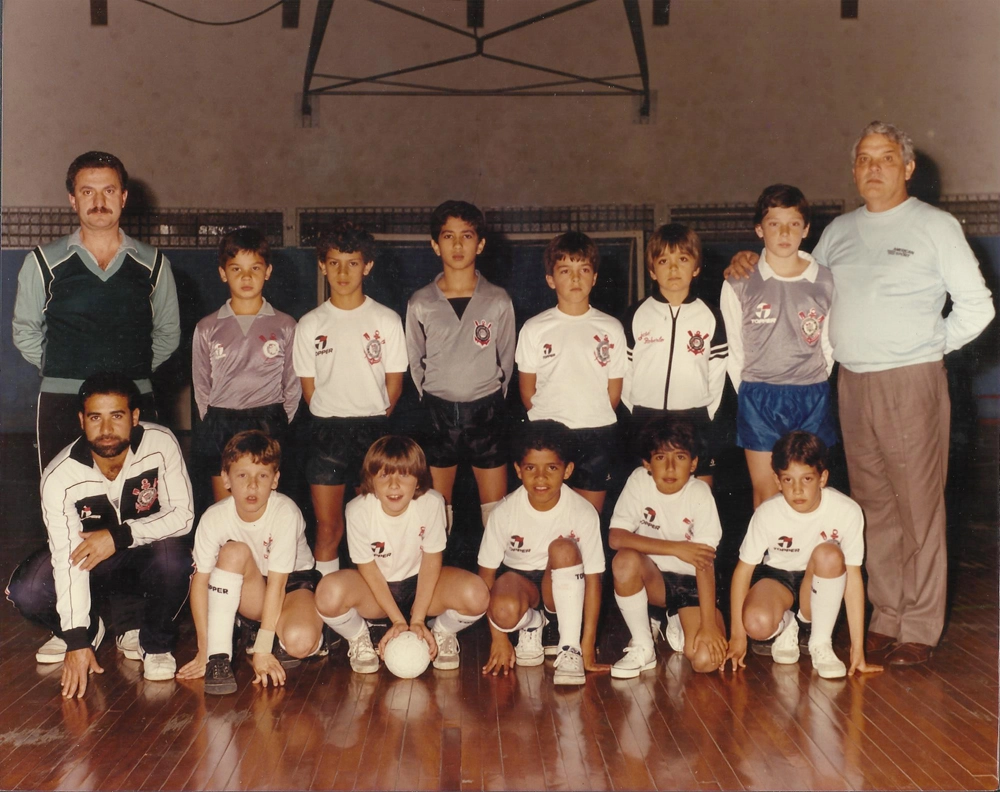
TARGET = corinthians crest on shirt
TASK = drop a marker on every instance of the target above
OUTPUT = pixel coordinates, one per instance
(373, 348)
(602, 353)
(270, 346)
(482, 333)
(811, 325)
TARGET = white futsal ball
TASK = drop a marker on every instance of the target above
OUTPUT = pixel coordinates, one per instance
(407, 655)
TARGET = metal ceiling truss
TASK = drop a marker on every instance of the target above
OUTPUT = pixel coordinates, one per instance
(560, 83)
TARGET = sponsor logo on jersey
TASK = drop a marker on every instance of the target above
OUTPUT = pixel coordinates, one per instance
(547, 351)
(762, 314)
(646, 337)
(697, 342)
(218, 589)
(271, 346)
(898, 251)
(268, 543)
(145, 495)
(517, 543)
(218, 351)
(320, 343)
(483, 333)
(602, 354)
(688, 528)
(649, 518)
(785, 544)
(812, 325)
(378, 548)
(373, 348)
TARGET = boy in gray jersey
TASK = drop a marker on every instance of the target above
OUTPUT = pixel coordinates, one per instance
(241, 357)
(460, 341)
(780, 356)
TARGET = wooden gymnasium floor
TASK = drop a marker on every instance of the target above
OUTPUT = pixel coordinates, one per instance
(768, 727)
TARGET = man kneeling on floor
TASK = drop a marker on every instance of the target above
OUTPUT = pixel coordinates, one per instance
(116, 504)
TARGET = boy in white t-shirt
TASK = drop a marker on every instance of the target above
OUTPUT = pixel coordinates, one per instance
(251, 558)
(802, 552)
(666, 529)
(571, 364)
(396, 537)
(350, 354)
(542, 545)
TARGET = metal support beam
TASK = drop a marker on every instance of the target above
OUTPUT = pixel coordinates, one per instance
(290, 13)
(635, 27)
(323, 11)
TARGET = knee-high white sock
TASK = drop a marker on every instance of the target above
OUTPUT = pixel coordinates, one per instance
(328, 567)
(224, 589)
(827, 595)
(531, 620)
(786, 619)
(449, 518)
(636, 616)
(451, 621)
(567, 595)
(486, 510)
(348, 625)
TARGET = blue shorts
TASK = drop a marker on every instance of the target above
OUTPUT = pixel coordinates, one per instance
(768, 412)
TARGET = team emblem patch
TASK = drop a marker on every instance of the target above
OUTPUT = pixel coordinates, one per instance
(784, 542)
(320, 343)
(812, 326)
(218, 351)
(267, 547)
(696, 342)
(423, 530)
(373, 348)
(271, 346)
(602, 354)
(834, 535)
(649, 514)
(145, 495)
(763, 310)
(483, 333)
(547, 351)
(688, 529)
(516, 542)
(378, 548)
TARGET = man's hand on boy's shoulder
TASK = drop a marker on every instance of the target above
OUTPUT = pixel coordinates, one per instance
(501, 656)
(742, 265)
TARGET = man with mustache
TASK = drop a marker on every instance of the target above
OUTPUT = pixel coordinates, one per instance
(96, 300)
(894, 262)
(116, 505)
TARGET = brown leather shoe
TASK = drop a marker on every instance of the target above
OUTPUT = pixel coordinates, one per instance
(876, 642)
(909, 654)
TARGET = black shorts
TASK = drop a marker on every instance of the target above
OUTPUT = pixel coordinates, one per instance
(220, 424)
(466, 432)
(338, 447)
(698, 416)
(404, 592)
(681, 591)
(534, 575)
(306, 579)
(594, 454)
(790, 580)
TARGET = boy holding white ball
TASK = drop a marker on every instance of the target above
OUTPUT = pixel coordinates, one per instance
(396, 536)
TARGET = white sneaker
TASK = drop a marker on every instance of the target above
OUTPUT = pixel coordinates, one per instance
(785, 649)
(637, 658)
(826, 662)
(361, 653)
(158, 667)
(528, 651)
(569, 667)
(674, 633)
(447, 654)
(54, 649)
(128, 644)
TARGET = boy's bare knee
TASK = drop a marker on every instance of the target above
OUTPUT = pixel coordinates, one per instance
(477, 597)
(505, 612)
(758, 624)
(701, 660)
(233, 556)
(299, 640)
(564, 553)
(626, 565)
(330, 597)
(828, 560)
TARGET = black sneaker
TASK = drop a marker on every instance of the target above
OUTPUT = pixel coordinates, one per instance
(762, 648)
(805, 631)
(248, 633)
(281, 655)
(331, 640)
(550, 634)
(219, 679)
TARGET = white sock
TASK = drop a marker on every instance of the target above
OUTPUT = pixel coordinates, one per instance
(328, 567)
(349, 625)
(449, 518)
(635, 612)
(486, 510)
(531, 620)
(567, 595)
(224, 589)
(827, 594)
(801, 617)
(451, 621)
(786, 619)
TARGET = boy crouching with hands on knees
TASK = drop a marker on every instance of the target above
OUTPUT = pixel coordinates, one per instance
(252, 558)
(800, 559)
(542, 545)
(396, 537)
(665, 528)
